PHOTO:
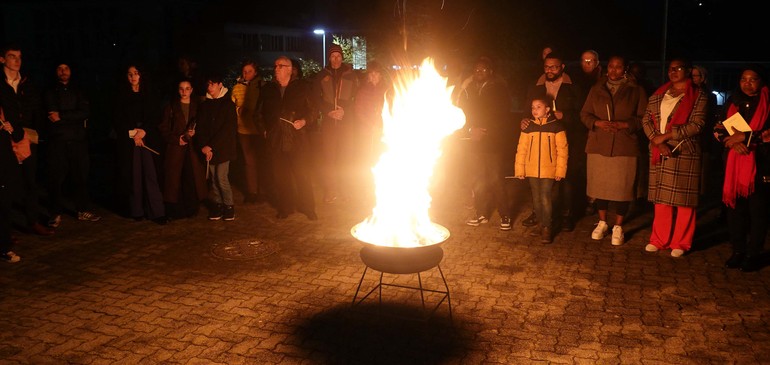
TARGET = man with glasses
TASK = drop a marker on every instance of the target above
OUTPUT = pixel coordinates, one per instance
(288, 113)
(568, 100)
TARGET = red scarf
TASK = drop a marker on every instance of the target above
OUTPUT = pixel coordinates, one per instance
(681, 115)
(741, 169)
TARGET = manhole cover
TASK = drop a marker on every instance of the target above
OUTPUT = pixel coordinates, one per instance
(245, 249)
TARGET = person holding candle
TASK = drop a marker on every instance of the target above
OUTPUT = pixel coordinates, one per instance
(746, 189)
(673, 121)
(571, 198)
(613, 114)
(185, 184)
(541, 157)
(136, 122)
(216, 139)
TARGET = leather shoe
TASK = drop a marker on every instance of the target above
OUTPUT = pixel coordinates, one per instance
(530, 221)
(42, 230)
(161, 220)
(735, 260)
(751, 264)
(567, 225)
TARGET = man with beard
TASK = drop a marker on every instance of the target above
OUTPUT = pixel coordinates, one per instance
(287, 113)
(567, 104)
(68, 110)
(334, 89)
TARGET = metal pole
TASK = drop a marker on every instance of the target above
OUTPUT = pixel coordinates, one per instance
(663, 67)
(324, 49)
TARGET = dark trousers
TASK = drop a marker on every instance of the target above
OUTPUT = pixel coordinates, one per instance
(488, 184)
(145, 198)
(254, 164)
(336, 156)
(5, 219)
(68, 158)
(29, 198)
(749, 218)
(294, 189)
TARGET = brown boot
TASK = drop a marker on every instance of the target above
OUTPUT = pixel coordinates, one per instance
(545, 235)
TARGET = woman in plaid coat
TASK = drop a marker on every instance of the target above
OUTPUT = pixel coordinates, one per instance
(673, 121)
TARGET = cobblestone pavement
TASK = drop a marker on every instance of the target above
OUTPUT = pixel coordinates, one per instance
(120, 291)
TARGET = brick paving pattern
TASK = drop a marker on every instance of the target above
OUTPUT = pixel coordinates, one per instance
(125, 292)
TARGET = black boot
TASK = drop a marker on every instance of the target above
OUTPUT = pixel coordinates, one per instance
(215, 213)
(752, 263)
(735, 260)
(229, 213)
(530, 221)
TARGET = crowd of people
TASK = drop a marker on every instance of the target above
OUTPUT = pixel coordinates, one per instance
(597, 140)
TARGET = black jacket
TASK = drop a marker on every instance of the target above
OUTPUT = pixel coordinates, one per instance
(23, 107)
(217, 128)
(74, 109)
(294, 104)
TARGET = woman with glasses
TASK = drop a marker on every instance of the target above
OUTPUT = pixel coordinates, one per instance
(673, 122)
(746, 189)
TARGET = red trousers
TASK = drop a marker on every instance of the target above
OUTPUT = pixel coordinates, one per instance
(673, 227)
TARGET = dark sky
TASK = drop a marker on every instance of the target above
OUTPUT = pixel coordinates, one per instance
(703, 30)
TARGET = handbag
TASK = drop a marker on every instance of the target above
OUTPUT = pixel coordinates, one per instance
(22, 148)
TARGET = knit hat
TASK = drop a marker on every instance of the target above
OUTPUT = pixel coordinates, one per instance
(335, 48)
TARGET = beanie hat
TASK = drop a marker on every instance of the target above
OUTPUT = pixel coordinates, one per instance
(335, 48)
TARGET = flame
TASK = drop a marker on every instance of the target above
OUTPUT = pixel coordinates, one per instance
(414, 126)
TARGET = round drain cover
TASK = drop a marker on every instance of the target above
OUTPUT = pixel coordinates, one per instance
(245, 249)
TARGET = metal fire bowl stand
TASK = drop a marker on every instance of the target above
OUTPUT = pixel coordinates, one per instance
(403, 260)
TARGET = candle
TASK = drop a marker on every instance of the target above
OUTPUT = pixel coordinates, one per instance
(554, 105)
(609, 117)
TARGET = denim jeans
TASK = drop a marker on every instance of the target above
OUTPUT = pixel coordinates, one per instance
(220, 191)
(541, 199)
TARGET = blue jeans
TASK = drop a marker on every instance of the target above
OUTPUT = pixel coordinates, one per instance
(220, 191)
(541, 199)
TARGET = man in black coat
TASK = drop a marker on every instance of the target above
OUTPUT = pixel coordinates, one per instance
(286, 111)
(215, 137)
(68, 110)
(21, 105)
(9, 180)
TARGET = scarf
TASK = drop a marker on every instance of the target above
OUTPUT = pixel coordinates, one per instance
(681, 115)
(741, 169)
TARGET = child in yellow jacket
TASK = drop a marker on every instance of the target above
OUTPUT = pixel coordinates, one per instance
(542, 157)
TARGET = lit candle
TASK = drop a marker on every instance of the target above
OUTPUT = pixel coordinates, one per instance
(609, 117)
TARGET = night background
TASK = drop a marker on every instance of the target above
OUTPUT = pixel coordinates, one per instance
(101, 38)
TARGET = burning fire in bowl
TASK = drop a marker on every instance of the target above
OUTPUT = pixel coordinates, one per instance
(399, 236)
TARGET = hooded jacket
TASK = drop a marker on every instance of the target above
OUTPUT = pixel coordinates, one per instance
(543, 150)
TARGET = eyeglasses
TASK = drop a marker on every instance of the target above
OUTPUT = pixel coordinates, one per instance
(552, 68)
(481, 70)
(676, 69)
(278, 65)
(588, 60)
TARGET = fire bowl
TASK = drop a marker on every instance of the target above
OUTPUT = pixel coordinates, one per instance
(402, 260)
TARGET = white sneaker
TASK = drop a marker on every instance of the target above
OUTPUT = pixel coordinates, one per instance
(677, 252)
(600, 231)
(650, 248)
(617, 236)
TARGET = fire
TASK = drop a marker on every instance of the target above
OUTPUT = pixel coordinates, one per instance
(421, 116)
